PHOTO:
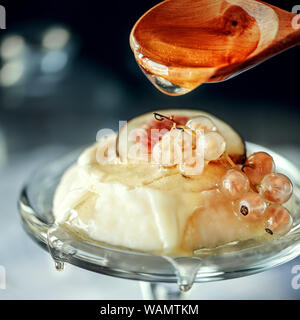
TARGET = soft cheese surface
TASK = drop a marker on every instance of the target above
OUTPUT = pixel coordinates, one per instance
(144, 207)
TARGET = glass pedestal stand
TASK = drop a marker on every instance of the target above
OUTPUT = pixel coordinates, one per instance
(159, 291)
(231, 261)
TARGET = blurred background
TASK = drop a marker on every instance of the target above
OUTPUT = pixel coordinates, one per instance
(66, 71)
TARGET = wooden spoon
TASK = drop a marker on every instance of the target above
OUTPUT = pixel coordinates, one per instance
(180, 44)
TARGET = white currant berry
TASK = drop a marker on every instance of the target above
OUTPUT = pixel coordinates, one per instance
(276, 187)
(214, 146)
(251, 206)
(278, 220)
(201, 123)
(234, 184)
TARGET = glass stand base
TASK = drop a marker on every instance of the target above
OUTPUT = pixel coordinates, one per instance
(161, 291)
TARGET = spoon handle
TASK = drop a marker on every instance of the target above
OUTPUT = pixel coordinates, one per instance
(281, 32)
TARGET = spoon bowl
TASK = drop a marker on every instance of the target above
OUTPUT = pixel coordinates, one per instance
(180, 44)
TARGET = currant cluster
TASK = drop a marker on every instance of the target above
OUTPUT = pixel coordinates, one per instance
(213, 142)
(258, 192)
(183, 145)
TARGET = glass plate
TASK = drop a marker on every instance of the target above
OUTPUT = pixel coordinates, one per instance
(229, 261)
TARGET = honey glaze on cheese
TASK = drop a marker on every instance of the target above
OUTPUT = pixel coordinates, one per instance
(117, 196)
(141, 207)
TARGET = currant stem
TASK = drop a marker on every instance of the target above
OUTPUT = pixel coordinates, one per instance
(229, 160)
(234, 166)
(161, 117)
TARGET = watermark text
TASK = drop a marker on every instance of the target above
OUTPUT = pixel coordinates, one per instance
(296, 279)
(2, 278)
(2, 17)
(296, 19)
